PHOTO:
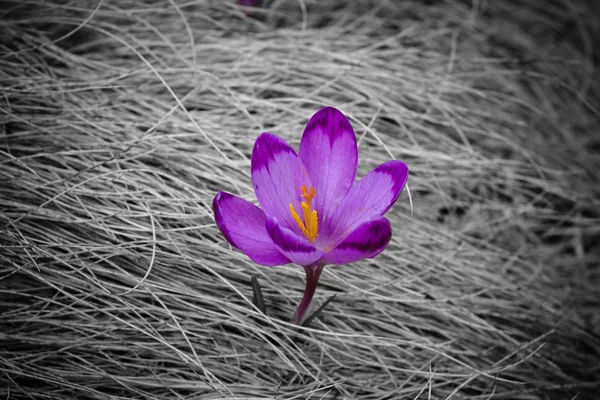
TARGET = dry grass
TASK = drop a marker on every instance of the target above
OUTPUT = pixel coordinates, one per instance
(121, 120)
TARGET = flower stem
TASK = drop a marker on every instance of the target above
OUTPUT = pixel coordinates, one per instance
(313, 272)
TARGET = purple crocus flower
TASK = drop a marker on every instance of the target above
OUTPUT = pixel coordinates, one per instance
(312, 213)
(248, 3)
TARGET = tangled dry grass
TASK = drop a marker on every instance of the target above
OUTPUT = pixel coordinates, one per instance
(120, 120)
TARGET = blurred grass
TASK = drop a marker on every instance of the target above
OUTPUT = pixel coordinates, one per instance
(121, 120)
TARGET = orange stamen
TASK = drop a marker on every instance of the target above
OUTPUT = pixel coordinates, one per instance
(310, 225)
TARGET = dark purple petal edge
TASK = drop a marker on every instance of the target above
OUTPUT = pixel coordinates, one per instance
(266, 147)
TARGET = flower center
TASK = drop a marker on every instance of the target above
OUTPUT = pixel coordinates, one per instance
(310, 225)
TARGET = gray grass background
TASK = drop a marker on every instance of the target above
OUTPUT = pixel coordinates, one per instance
(120, 121)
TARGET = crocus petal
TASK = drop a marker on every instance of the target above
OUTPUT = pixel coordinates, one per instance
(328, 151)
(293, 246)
(277, 176)
(244, 226)
(369, 199)
(366, 241)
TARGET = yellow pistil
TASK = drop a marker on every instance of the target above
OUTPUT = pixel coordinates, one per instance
(310, 225)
